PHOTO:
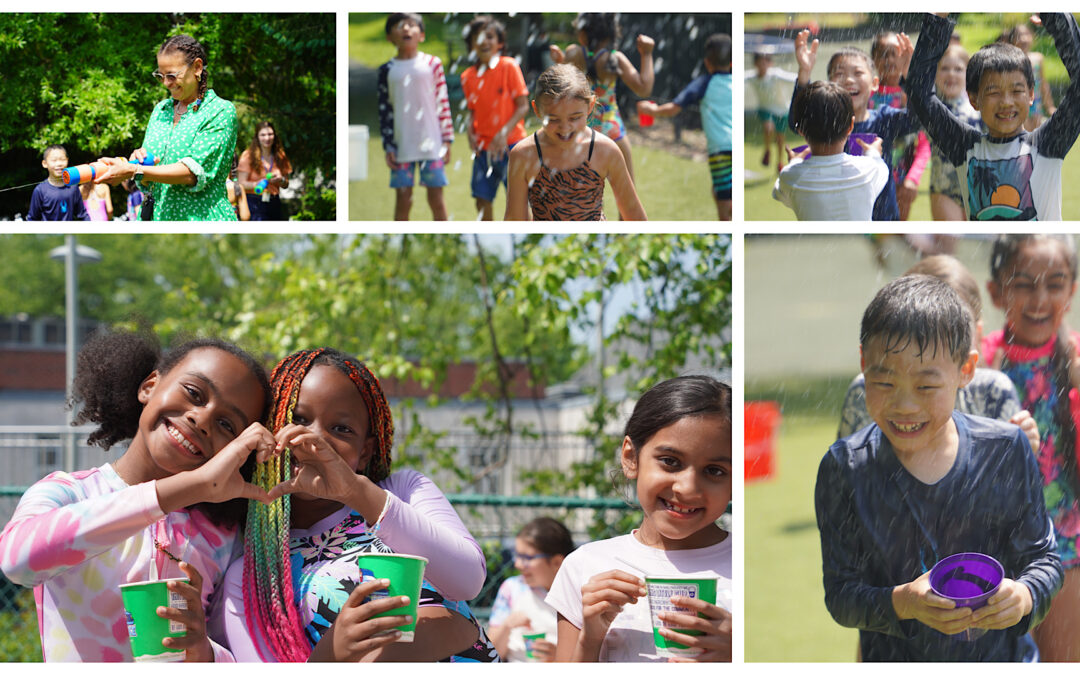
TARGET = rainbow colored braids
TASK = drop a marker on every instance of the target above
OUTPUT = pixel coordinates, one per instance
(268, 585)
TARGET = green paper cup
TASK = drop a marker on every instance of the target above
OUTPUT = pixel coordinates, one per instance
(406, 575)
(146, 629)
(530, 638)
(660, 590)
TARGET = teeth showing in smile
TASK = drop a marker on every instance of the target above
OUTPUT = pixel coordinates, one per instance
(179, 438)
(908, 428)
(679, 509)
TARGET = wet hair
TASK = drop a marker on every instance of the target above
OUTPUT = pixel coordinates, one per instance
(850, 52)
(397, 17)
(561, 81)
(601, 29)
(255, 149)
(672, 400)
(762, 56)
(952, 271)
(54, 146)
(191, 49)
(878, 49)
(109, 370)
(718, 50)
(1006, 248)
(269, 592)
(922, 309)
(548, 536)
(479, 25)
(822, 112)
(998, 57)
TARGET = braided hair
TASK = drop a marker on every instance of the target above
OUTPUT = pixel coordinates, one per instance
(1006, 248)
(269, 595)
(191, 49)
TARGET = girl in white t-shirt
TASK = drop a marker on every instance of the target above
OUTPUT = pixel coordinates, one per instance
(677, 447)
(519, 611)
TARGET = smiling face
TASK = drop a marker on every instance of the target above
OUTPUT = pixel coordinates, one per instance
(487, 44)
(563, 118)
(1023, 37)
(194, 410)
(266, 137)
(181, 77)
(1035, 291)
(56, 161)
(330, 405)
(1003, 101)
(537, 569)
(911, 396)
(683, 476)
(854, 74)
(951, 77)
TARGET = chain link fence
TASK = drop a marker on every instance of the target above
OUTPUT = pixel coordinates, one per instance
(30, 453)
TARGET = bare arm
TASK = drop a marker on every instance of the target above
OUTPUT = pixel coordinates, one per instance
(517, 184)
(641, 83)
(625, 195)
(241, 201)
(666, 110)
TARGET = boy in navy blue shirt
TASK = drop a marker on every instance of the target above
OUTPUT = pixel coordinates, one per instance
(52, 200)
(1006, 173)
(924, 482)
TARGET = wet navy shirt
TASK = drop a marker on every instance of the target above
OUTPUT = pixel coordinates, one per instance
(881, 527)
(50, 202)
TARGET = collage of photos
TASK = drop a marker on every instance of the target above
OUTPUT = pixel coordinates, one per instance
(377, 436)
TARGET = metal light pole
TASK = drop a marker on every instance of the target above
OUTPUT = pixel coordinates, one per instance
(72, 255)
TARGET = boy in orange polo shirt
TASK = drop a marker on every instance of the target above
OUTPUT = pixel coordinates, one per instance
(497, 100)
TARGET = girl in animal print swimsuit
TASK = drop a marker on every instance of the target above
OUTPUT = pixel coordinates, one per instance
(559, 172)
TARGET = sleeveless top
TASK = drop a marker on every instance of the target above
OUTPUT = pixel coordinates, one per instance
(605, 117)
(571, 194)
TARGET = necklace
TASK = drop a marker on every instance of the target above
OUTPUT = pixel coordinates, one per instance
(158, 545)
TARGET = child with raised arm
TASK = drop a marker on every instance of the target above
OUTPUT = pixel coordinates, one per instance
(1006, 173)
(829, 184)
(161, 510)
(925, 482)
(604, 65)
(559, 172)
(1023, 37)
(853, 70)
(714, 90)
(497, 101)
(414, 117)
(946, 200)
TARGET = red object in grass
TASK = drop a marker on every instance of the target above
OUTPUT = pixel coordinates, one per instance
(761, 419)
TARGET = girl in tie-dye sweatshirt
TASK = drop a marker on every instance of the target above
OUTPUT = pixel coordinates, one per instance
(160, 510)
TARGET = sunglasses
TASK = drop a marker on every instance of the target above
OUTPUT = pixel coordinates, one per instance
(169, 77)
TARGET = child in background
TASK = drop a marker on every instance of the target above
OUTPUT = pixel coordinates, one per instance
(539, 550)
(414, 117)
(770, 85)
(925, 482)
(853, 70)
(677, 449)
(911, 153)
(990, 392)
(1023, 37)
(558, 173)
(604, 65)
(295, 594)
(1033, 280)
(714, 90)
(134, 200)
(51, 199)
(829, 184)
(1006, 173)
(497, 101)
(946, 200)
(161, 510)
(97, 200)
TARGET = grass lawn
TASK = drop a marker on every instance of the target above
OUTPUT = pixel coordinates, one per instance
(670, 187)
(786, 619)
(368, 44)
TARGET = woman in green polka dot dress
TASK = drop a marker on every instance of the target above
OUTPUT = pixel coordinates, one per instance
(192, 136)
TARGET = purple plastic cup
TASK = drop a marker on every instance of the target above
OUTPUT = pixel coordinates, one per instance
(853, 147)
(968, 579)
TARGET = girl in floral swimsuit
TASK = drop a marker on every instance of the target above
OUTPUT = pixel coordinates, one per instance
(560, 171)
(604, 66)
